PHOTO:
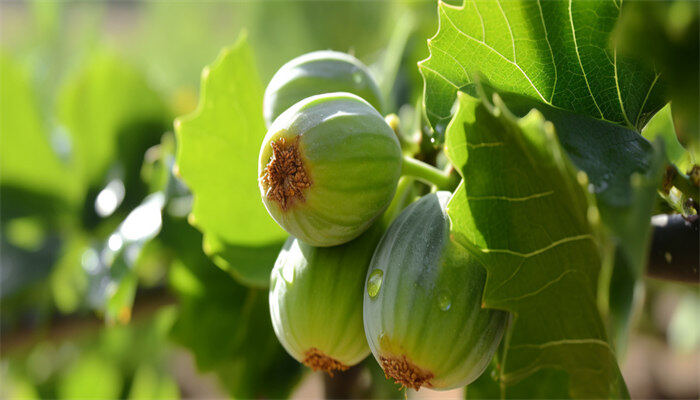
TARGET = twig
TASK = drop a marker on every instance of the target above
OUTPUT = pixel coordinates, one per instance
(75, 326)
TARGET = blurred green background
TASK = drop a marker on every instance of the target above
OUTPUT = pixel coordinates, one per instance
(104, 289)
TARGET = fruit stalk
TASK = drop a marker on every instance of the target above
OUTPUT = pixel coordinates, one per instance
(684, 183)
(428, 174)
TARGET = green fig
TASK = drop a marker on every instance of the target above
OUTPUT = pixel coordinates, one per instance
(422, 305)
(316, 301)
(317, 73)
(328, 167)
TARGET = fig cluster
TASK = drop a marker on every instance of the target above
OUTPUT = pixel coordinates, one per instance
(354, 278)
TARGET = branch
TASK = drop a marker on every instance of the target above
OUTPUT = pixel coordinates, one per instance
(675, 248)
(75, 326)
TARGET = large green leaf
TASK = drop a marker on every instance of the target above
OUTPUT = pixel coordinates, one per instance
(217, 157)
(624, 172)
(622, 168)
(557, 52)
(559, 57)
(525, 215)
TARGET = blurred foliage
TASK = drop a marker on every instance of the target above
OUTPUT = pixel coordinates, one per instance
(97, 363)
(103, 108)
(48, 184)
(94, 221)
(667, 36)
(684, 329)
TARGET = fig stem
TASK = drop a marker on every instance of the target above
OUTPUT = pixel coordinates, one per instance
(426, 173)
(685, 184)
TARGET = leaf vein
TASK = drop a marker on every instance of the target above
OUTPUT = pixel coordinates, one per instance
(563, 342)
(514, 199)
(617, 87)
(644, 103)
(551, 51)
(485, 144)
(550, 246)
(510, 30)
(468, 78)
(497, 53)
(578, 56)
(440, 75)
(540, 289)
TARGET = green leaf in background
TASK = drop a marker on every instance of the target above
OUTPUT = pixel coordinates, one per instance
(684, 328)
(624, 172)
(108, 103)
(150, 383)
(622, 168)
(525, 216)
(543, 384)
(69, 280)
(661, 126)
(556, 52)
(226, 325)
(33, 178)
(217, 158)
(94, 376)
(666, 34)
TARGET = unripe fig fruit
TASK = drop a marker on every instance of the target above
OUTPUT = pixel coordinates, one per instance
(316, 301)
(328, 167)
(317, 73)
(422, 303)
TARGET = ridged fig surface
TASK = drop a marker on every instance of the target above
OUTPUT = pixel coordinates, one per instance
(317, 73)
(328, 167)
(422, 303)
(316, 301)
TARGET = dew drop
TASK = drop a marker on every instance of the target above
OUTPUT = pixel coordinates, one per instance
(374, 283)
(444, 300)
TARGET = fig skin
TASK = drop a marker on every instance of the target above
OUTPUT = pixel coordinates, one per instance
(316, 301)
(334, 171)
(424, 323)
(315, 73)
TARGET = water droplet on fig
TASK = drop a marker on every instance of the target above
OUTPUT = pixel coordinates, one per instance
(374, 283)
(444, 300)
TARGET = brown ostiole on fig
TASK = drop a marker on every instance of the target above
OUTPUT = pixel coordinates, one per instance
(404, 372)
(317, 360)
(285, 176)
